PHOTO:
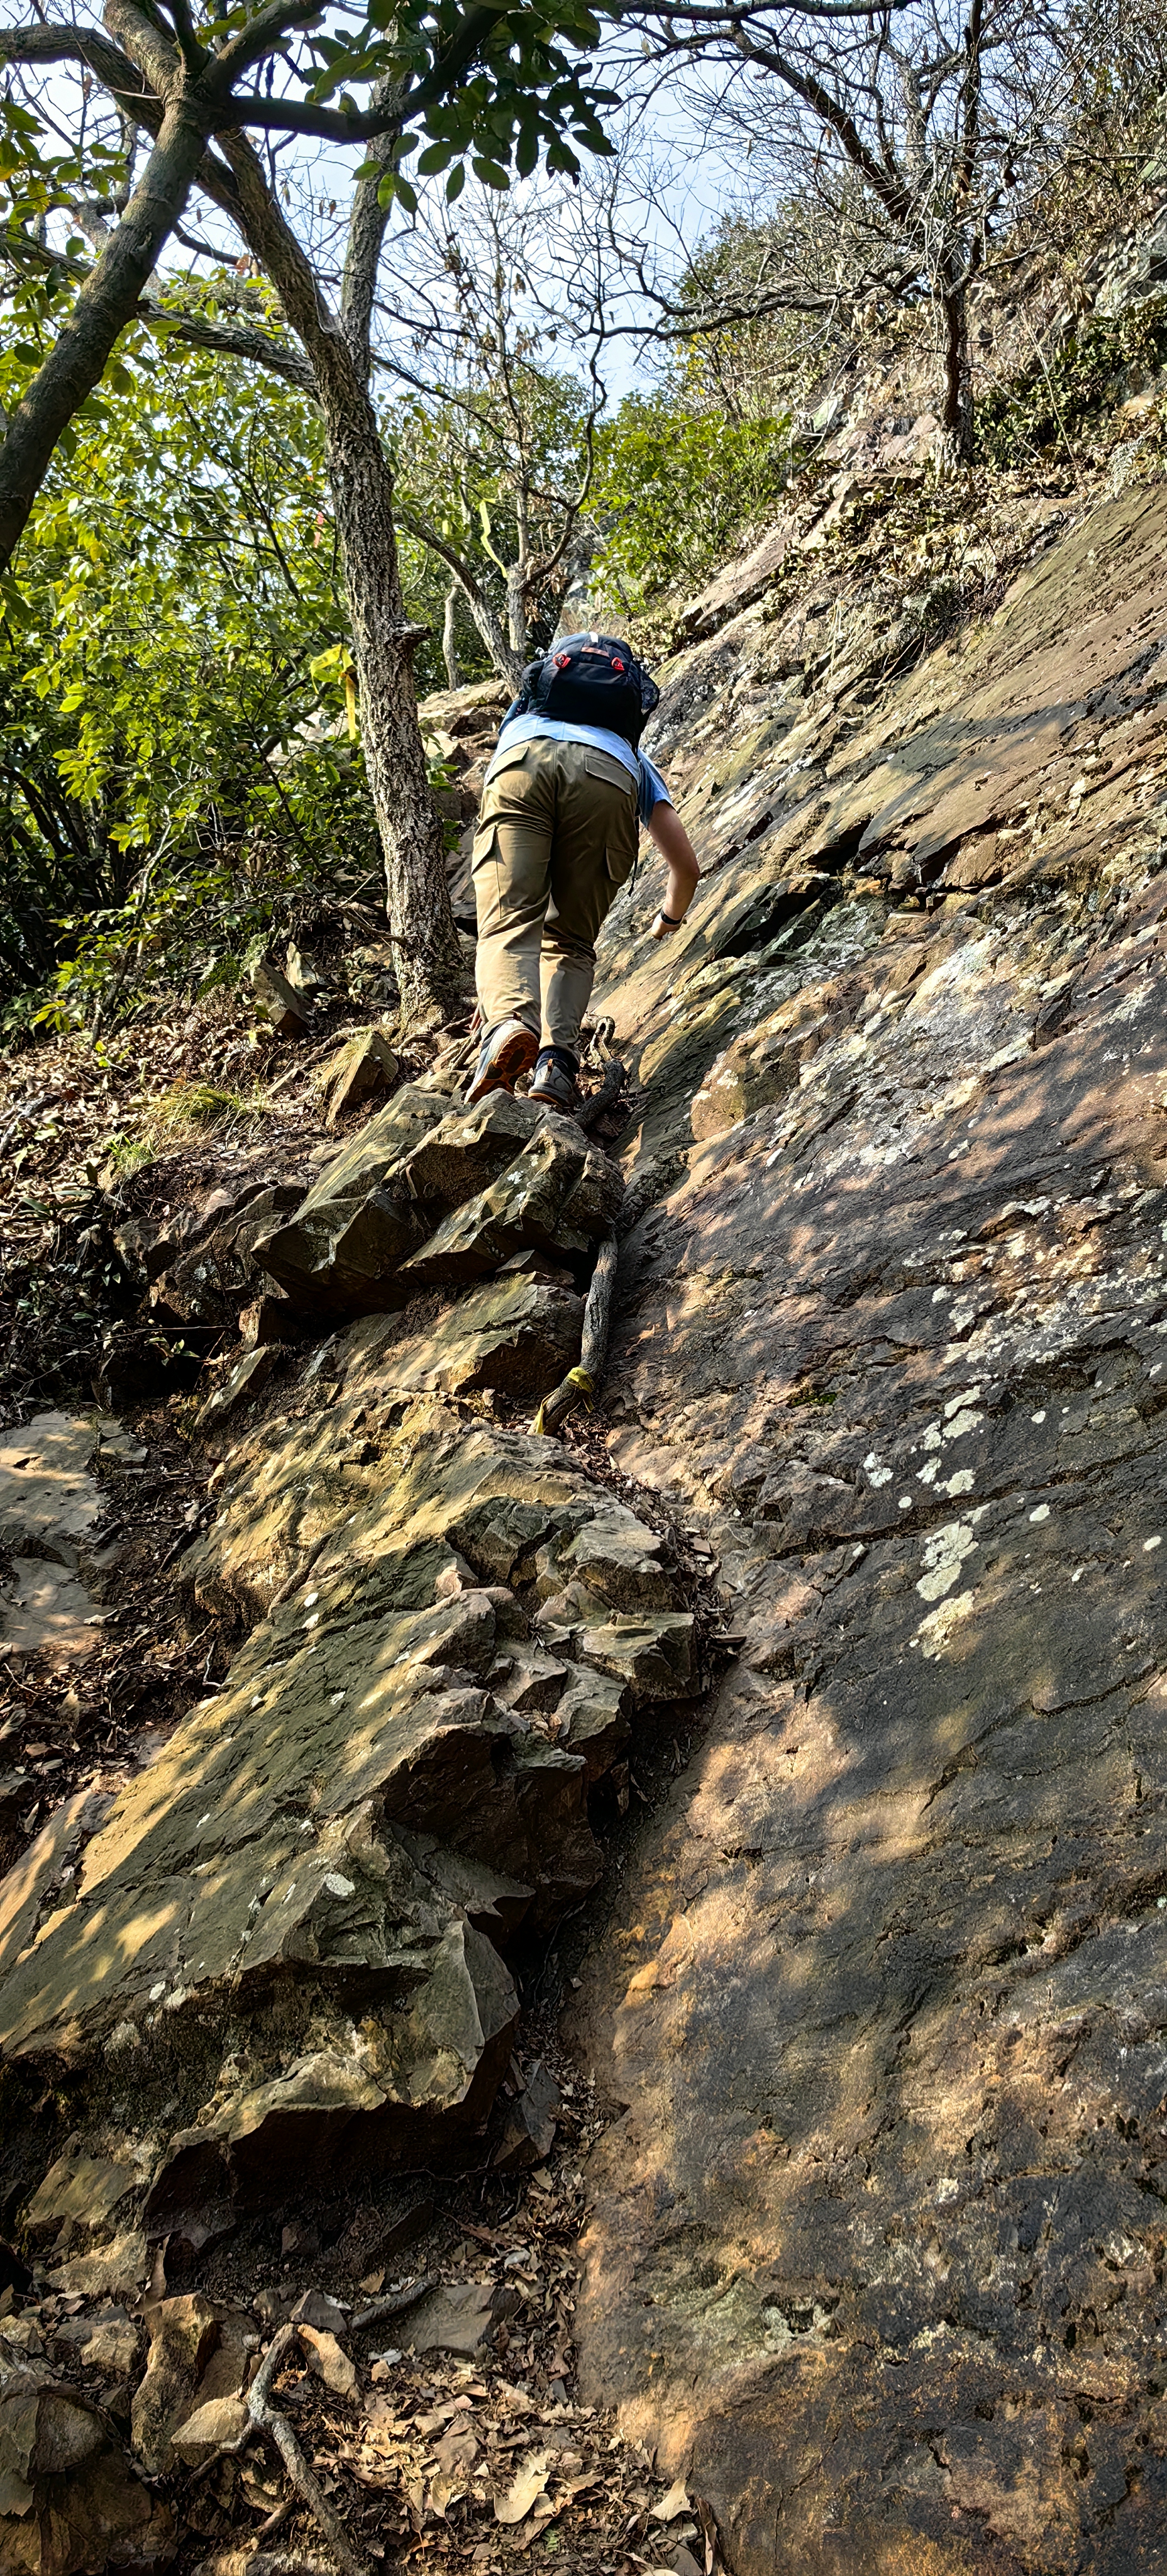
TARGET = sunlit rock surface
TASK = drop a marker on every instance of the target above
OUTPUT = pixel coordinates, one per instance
(876, 2242)
(284, 1947)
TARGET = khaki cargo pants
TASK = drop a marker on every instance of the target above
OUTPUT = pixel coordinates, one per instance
(556, 839)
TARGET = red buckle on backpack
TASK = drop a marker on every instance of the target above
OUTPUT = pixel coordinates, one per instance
(563, 661)
(617, 666)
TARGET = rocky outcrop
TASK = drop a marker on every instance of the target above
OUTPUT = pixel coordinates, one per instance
(284, 1948)
(434, 1195)
(876, 1999)
(875, 2253)
(69, 2499)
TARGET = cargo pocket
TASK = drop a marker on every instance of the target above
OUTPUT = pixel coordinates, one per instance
(620, 859)
(604, 764)
(485, 839)
(508, 759)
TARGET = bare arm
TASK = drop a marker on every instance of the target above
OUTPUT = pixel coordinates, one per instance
(672, 840)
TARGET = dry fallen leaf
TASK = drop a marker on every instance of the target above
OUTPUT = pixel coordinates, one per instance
(676, 2502)
(528, 2482)
(456, 2453)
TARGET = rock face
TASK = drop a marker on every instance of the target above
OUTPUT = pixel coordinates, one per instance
(876, 2249)
(284, 1947)
(878, 1999)
(426, 1196)
(69, 2500)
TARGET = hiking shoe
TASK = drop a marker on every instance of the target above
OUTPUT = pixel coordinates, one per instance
(504, 1054)
(554, 1082)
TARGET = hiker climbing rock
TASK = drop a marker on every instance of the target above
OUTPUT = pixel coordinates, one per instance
(565, 792)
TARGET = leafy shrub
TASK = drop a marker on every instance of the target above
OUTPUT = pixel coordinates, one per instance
(1057, 401)
(676, 491)
(174, 773)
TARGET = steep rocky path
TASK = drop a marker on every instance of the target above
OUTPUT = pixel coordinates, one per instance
(876, 2246)
(867, 2088)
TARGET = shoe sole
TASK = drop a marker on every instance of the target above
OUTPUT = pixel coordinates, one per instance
(502, 1073)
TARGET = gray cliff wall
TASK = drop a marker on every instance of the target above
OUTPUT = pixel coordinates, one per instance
(876, 2240)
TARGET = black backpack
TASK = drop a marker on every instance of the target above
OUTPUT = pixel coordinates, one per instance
(591, 680)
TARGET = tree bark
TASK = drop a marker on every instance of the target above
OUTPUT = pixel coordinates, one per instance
(450, 638)
(106, 303)
(508, 664)
(429, 958)
(955, 441)
(427, 952)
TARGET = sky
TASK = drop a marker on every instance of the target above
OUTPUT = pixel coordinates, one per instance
(674, 188)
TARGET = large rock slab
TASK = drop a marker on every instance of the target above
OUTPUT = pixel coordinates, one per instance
(341, 1249)
(47, 1493)
(513, 1333)
(208, 1283)
(49, 1505)
(559, 1195)
(283, 1946)
(425, 1199)
(874, 2251)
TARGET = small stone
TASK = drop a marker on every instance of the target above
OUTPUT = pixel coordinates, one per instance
(458, 2319)
(329, 2361)
(199, 2353)
(107, 2342)
(365, 1066)
(120, 2266)
(304, 974)
(529, 2133)
(69, 2499)
(277, 1001)
(316, 2309)
(221, 2424)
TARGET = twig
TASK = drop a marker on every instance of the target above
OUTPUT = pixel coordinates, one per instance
(268, 2419)
(593, 1109)
(580, 1384)
(275, 2520)
(393, 2302)
(265, 2562)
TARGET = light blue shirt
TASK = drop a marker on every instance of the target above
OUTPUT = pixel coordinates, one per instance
(651, 789)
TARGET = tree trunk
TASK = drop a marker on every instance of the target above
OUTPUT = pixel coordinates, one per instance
(429, 957)
(106, 303)
(956, 436)
(427, 951)
(450, 638)
(478, 607)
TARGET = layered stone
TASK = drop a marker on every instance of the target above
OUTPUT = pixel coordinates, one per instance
(875, 2253)
(285, 1943)
(424, 1199)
